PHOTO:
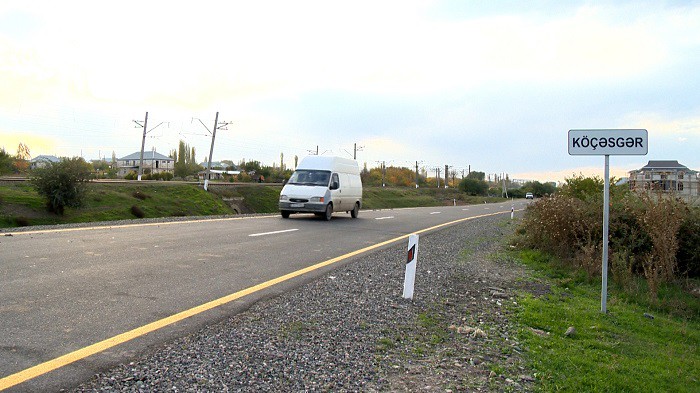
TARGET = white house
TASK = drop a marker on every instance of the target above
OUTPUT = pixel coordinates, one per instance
(666, 176)
(152, 160)
(41, 161)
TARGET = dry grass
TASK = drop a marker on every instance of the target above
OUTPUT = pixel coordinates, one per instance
(647, 236)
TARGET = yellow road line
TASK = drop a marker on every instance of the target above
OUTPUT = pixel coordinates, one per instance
(48, 366)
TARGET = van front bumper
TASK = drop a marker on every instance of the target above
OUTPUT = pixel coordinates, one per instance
(305, 207)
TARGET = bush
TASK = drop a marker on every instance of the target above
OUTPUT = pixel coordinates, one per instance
(137, 212)
(140, 195)
(473, 186)
(62, 183)
(689, 244)
(655, 237)
(131, 176)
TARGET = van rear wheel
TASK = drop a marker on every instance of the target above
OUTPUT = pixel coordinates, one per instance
(329, 212)
(355, 210)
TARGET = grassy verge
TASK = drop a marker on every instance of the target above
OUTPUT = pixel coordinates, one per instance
(399, 197)
(20, 205)
(629, 349)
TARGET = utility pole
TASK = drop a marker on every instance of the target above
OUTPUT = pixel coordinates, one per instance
(355, 150)
(437, 176)
(211, 151)
(447, 175)
(416, 174)
(143, 141)
(217, 126)
(383, 173)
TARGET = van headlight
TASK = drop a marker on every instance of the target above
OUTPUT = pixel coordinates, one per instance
(284, 198)
(316, 199)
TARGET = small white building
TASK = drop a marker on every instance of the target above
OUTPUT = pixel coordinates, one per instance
(41, 161)
(152, 160)
(666, 176)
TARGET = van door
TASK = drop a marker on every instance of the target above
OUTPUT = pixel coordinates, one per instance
(336, 192)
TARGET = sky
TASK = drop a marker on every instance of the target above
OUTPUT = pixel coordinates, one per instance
(491, 86)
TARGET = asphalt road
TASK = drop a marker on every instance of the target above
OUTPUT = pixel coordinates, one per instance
(79, 300)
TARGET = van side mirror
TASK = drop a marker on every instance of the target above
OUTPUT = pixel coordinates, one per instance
(334, 185)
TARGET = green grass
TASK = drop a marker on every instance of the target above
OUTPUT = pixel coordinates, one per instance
(105, 202)
(616, 352)
(21, 205)
(401, 197)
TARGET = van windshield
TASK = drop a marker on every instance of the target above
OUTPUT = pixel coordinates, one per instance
(310, 177)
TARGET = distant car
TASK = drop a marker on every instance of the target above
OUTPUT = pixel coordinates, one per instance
(529, 196)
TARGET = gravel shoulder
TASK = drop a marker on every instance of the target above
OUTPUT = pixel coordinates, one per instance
(350, 330)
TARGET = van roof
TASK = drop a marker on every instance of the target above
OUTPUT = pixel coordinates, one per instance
(334, 164)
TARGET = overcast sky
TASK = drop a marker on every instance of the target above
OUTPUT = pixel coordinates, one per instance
(494, 85)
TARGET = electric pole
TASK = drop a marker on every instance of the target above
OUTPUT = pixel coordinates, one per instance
(447, 175)
(383, 173)
(217, 126)
(143, 141)
(355, 150)
(416, 174)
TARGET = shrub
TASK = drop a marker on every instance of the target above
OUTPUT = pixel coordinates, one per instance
(131, 176)
(22, 221)
(473, 186)
(140, 195)
(661, 219)
(689, 244)
(62, 183)
(654, 237)
(137, 212)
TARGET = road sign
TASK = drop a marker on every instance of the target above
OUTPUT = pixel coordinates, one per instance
(611, 142)
(615, 142)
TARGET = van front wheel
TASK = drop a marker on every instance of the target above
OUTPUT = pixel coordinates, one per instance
(355, 210)
(329, 212)
(285, 214)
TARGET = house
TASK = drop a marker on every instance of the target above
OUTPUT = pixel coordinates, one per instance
(41, 161)
(152, 160)
(217, 174)
(666, 176)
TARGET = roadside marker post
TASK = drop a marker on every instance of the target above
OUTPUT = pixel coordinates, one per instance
(411, 262)
(512, 211)
(607, 142)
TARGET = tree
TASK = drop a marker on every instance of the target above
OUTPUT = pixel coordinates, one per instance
(539, 189)
(474, 186)
(6, 162)
(582, 187)
(180, 163)
(476, 175)
(62, 183)
(22, 158)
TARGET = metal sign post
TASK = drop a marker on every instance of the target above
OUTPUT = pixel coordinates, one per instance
(606, 143)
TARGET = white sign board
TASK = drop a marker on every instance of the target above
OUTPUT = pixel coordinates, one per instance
(620, 142)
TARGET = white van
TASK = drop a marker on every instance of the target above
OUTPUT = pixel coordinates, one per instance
(322, 185)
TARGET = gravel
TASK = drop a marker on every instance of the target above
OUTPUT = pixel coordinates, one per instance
(351, 330)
